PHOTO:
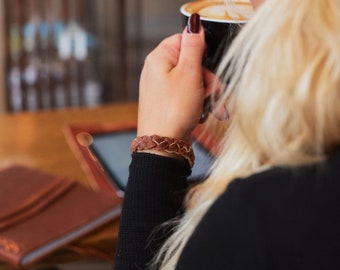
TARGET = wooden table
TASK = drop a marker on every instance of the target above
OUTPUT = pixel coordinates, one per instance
(36, 139)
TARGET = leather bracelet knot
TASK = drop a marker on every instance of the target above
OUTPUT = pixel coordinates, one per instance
(165, 144)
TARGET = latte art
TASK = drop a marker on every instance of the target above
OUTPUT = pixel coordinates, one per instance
(219, 10)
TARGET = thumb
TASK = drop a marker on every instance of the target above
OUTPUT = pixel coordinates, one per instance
(193, 43)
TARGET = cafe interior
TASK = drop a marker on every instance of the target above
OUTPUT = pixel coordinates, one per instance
(70, 69)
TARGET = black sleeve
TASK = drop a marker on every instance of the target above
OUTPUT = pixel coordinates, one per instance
(156, 189)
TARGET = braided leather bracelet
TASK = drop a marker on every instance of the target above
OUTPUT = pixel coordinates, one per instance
(165, 144)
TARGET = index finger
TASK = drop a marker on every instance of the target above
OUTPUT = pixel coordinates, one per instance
(166, 54)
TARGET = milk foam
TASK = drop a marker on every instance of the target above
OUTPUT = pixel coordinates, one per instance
(219, 11)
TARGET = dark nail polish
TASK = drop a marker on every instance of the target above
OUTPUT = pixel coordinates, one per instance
(194, 23)
(206, 109)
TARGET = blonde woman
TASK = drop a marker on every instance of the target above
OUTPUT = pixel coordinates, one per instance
(273, 195)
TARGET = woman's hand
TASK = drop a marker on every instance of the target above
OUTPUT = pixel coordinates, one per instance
(173, 86)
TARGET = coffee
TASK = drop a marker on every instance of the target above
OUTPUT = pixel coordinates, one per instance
(221, 21)
(219, 10)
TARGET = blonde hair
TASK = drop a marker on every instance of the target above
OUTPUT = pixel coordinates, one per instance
(283, 91)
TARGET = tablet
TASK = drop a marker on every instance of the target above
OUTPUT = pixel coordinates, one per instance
(103, 151)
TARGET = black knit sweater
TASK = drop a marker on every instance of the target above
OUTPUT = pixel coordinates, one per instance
(277, 219)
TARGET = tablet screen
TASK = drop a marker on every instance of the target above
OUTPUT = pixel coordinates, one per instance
(113, 152)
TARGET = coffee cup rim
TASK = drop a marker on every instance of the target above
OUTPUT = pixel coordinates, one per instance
(202, 18)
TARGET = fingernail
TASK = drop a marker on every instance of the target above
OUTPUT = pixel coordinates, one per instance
(206, 109)
(204, 117)
(194, 23)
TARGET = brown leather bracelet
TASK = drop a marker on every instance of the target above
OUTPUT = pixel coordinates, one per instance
(165, 144)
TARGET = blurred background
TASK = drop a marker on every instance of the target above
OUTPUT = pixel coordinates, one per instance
(70, 53)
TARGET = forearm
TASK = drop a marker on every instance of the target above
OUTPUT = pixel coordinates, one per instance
(155, 193)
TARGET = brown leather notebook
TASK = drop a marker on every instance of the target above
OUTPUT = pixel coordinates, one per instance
(40, 212)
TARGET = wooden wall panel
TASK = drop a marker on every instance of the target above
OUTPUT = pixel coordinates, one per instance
(120, 33)
(3, 104)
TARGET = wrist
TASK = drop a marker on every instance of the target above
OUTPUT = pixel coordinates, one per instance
(164, 146)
